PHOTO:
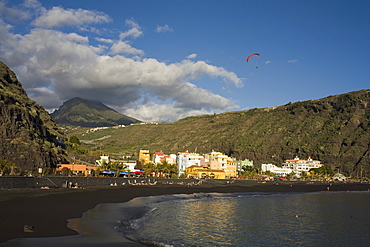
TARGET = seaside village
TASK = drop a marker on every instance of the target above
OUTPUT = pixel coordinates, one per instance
(213, 165)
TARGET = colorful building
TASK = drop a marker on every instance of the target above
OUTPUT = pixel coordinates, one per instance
(213, 161)
(220, 161)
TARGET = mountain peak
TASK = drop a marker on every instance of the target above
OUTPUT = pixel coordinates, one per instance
(89, 113)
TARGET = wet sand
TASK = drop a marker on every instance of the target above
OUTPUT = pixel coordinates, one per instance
(46, 211)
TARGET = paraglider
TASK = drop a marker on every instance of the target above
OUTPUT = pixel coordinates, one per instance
(251, 55)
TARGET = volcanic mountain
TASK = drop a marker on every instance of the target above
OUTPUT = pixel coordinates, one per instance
(88, 113)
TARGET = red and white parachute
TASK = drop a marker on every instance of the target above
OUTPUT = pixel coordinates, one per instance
(251, 55)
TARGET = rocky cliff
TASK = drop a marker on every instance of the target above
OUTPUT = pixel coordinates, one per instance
(29, 138)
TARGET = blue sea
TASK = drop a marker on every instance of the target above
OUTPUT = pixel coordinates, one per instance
(215, 219)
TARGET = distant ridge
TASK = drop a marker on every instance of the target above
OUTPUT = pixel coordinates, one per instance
(89, 113)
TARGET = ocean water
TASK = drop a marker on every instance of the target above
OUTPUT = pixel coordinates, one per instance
(237, 219)
(261, 219)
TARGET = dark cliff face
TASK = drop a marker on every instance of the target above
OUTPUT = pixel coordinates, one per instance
(29, 138)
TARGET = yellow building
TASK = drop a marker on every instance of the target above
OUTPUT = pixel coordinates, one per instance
(204, 172)
(144, 157)
(230, 168)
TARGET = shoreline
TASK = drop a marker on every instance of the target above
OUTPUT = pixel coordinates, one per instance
(48, 211)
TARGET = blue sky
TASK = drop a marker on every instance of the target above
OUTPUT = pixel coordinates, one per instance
(168, 59)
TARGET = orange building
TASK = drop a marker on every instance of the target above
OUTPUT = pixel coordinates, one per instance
(76, 168)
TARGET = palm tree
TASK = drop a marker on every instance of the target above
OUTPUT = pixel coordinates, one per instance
(312, 173)
(168, 170)
(303, 175)
(172, 170)
(160, 169)
(118, 167)
(150, 168)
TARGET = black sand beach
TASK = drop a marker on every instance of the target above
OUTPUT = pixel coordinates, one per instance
(47, 211)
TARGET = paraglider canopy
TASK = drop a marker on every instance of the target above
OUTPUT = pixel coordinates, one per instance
(251, 55)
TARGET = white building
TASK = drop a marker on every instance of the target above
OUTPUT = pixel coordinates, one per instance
(160, 157)
(104, 159)
(298, 166)
(275, 169)
(130, 166)
(186, 159)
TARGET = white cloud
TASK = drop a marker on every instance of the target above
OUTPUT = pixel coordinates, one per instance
(74, 37)
(192, 56)
(196, 69)
(121, 47)
(294, 61)
(164, 29)
(54, 66)
(134, 32)
(13, 14)
(109, 41)
(267, 62)
(153, 112)
(44, 96)
(58, 16)
(32, 4)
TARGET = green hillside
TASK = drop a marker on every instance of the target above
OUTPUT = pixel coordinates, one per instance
(334, 130)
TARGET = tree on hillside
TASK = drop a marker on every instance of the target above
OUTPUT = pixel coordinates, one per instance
(74, 139)
(6, 167)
